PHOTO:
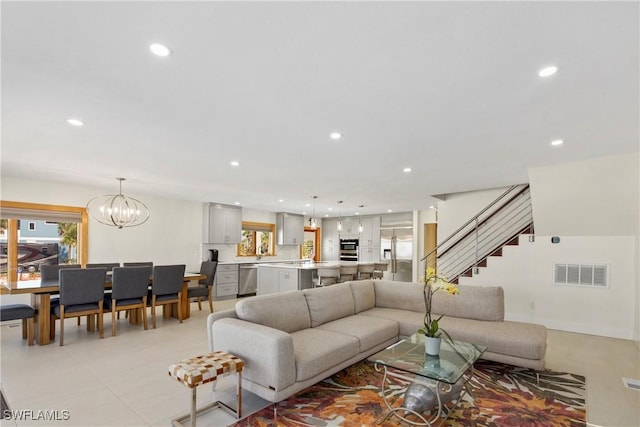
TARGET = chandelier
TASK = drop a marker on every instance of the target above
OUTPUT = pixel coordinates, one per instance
(312, 220)
(118, 210)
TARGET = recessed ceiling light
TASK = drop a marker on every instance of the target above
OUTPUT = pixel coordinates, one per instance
(557, 142)
(307, 205)
(237, 203)
(406, 170)
(234, 163)
(330, 209)
(281, 200)
(75, 122)
(159, 49)
(389, 210)
(548, 71)
(357, 213)
(335, 135)
(432, 207)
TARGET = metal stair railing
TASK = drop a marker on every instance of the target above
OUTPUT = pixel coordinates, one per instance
(485, 233)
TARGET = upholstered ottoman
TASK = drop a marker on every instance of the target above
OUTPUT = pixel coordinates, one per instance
(205, 369)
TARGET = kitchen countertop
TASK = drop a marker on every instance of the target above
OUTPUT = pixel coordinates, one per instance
(302, 265)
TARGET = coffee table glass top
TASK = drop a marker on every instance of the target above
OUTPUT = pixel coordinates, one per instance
(409, 355)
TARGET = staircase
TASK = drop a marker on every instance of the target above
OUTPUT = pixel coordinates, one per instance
(497, 225)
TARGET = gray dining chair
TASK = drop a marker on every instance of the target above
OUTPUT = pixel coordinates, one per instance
(108, 265)
(23, 312)
(51, 274)
(205, 286)
(138, 264)
(81, 294)
(129, 287)
(166, 288)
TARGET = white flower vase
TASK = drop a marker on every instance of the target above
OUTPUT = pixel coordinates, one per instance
(432, 345)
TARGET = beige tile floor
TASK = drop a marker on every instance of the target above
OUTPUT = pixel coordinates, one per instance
(123, 381)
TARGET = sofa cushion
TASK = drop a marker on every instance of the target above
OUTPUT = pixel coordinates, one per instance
(402, 295)
(526, 340)
(286, 311)
(317, 350)
(370, 331)
(364, 295)
(408, 321)
(473, 302)
(329, 303)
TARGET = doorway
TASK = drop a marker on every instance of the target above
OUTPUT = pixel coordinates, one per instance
(310, 249)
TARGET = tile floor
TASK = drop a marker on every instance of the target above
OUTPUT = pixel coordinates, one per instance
(123, 381)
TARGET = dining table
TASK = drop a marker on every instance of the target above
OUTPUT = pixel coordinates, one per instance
(41, 292)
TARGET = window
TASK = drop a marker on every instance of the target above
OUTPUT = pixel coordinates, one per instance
(257, 239)
(35, 234)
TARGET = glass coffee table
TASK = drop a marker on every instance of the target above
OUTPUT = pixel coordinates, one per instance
(434, 381)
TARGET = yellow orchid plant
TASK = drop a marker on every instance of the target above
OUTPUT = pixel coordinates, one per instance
(434, 282)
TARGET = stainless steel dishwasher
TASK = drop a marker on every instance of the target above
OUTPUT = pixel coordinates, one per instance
(248, 284)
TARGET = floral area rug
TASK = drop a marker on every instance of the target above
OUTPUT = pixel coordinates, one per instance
(503, 395)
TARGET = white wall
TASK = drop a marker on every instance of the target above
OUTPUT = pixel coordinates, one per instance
(526, 274)
(597, 197)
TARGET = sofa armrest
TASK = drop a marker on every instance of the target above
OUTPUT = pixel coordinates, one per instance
(267, 352)
(231, 313)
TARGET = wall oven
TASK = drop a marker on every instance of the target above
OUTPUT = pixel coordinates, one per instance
(349, 249)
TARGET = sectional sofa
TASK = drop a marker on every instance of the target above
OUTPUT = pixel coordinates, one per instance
(294, 339)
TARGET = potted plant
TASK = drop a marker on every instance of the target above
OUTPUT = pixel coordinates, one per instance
(434, 282)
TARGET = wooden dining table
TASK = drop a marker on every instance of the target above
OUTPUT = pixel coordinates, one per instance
(41, 300)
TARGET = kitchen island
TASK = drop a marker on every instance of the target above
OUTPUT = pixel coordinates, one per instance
(281, 277)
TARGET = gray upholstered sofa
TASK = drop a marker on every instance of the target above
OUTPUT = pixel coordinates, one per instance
(292, 340)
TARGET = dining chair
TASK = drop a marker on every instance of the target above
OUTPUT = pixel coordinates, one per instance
(108, 265)
(129, 288)
(138, 264)
(166, 288)
(205, 286)
(23, 312)
(328, 275)
(50, 273)
(81, 294)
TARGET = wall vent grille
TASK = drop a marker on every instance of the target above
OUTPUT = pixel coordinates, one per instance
(594, 275)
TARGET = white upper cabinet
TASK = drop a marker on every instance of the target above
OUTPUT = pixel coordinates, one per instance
(370, 234)
(349, 228)
(290, 228)
(222, 223)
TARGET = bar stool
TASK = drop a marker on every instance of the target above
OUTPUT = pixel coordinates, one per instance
(348, 272)
(328, 275)
(365, 271)
(379, 268)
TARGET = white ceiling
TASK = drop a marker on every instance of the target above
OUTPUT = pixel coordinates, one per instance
(449, 89)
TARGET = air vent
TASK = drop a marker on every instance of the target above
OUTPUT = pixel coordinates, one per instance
(594, 275)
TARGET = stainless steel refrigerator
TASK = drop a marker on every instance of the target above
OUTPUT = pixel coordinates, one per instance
(396, 245)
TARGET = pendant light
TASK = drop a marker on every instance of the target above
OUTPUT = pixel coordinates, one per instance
(118, 210)
(340, 217)
(312, 220)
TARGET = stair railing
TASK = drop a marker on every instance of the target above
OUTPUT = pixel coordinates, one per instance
(486, 232)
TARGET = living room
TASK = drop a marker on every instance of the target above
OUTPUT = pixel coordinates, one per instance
(585, 192)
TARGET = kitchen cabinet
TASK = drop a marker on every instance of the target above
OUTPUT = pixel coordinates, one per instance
(274, 278)
(226, 281)
(330, 240)
(368, 254)
(222, 223)
(370, 234)
(289, 228)
(350, 228)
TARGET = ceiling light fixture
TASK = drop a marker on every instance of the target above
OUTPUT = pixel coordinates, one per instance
(406, 170)
(548, 71)
(159, 49)
(340, 218)
(234, 163)
(75, 122)
(557, 142)
(312, 220)
(118, 210)
(335, 135)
